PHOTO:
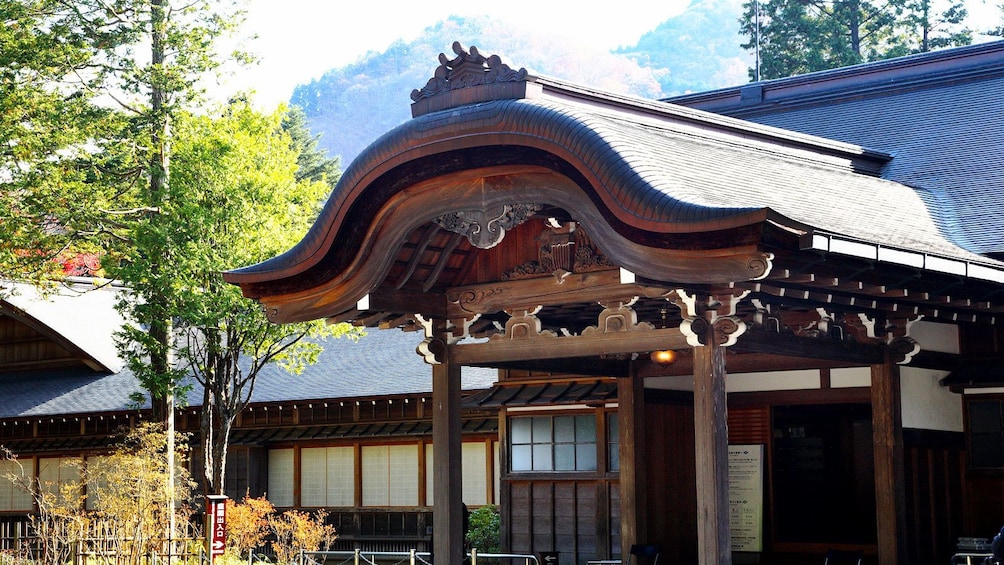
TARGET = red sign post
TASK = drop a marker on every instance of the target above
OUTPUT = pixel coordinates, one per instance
(216, 526)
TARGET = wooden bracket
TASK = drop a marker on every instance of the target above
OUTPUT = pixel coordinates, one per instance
(618, 316)
(710, 317)
(523, 324)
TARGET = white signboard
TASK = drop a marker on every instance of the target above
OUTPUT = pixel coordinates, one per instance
(746, 497)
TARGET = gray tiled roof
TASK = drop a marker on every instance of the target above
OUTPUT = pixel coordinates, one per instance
(382, 363)
(943, 128)
(658, 168)
(946, 141)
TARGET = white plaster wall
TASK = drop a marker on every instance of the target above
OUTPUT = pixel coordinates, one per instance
(778, 380)
(681, 382)
(926, 404)
(850, 377)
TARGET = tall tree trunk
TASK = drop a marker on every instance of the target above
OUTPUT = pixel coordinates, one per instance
(160, 166)
(206, 422)
(854, 25)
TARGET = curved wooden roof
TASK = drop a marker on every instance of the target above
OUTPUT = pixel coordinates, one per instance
(672, 194)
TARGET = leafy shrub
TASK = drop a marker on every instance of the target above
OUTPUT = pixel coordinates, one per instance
(247, 525)
(295, 530)
(483, 529)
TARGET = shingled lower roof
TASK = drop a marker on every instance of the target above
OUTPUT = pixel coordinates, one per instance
(380, 364)
(939, 114)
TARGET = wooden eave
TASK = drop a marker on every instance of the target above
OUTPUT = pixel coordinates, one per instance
(438, 164)
(676, 198)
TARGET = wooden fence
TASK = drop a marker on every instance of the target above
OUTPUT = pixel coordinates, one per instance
(98, 544)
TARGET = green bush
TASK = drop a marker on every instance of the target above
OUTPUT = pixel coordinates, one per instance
(483, 529)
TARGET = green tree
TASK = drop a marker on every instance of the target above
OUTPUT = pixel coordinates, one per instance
(51, 139)
(234, 200)
(801, 36)
(312, 161)
(111, 154)
(91, 89)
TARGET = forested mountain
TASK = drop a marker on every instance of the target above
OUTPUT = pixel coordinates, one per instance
(697, 50)
(349, 107)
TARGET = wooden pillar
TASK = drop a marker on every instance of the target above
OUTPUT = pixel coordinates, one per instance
(447, 512)
(712, 452)
(890, 493)
(633, 491)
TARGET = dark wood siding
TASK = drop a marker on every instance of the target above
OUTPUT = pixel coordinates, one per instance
(672, 482)
(934, 465)
(558, 515)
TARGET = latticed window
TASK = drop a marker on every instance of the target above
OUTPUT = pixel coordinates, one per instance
(327, 476)
(13, 496)
(280, 477)
(389, 475)
(553, 443)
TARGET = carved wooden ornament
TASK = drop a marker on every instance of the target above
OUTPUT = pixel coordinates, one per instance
(465, 70)
(486, 228)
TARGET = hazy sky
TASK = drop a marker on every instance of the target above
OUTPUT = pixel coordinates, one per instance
(299, 40)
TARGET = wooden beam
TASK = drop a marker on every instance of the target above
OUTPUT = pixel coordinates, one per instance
(766, 341)
(416, 255)
(571, 366)
(500, 349)
(447, 529)
(633, 492)
(740, 363)
(385, 299)
(712, 452)
(890, 493)
(588, 287)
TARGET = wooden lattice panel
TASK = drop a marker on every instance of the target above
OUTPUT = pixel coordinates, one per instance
(749, 425)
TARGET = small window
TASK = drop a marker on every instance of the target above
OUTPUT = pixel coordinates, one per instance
(474, 472)
(553, 443)
(389, 475)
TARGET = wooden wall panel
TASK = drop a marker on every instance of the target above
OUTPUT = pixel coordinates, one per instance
(586, 518)
(519, 514)
(984, 508)
(542, 524)
(614, 533)
(565, 522)
(558, 515)
(672, 484)
(934, 468)
(23, 348)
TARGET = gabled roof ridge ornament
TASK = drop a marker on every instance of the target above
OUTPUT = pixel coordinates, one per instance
(465, 70)
(482, 78)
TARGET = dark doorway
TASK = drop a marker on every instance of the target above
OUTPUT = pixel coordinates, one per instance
(823, 474)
